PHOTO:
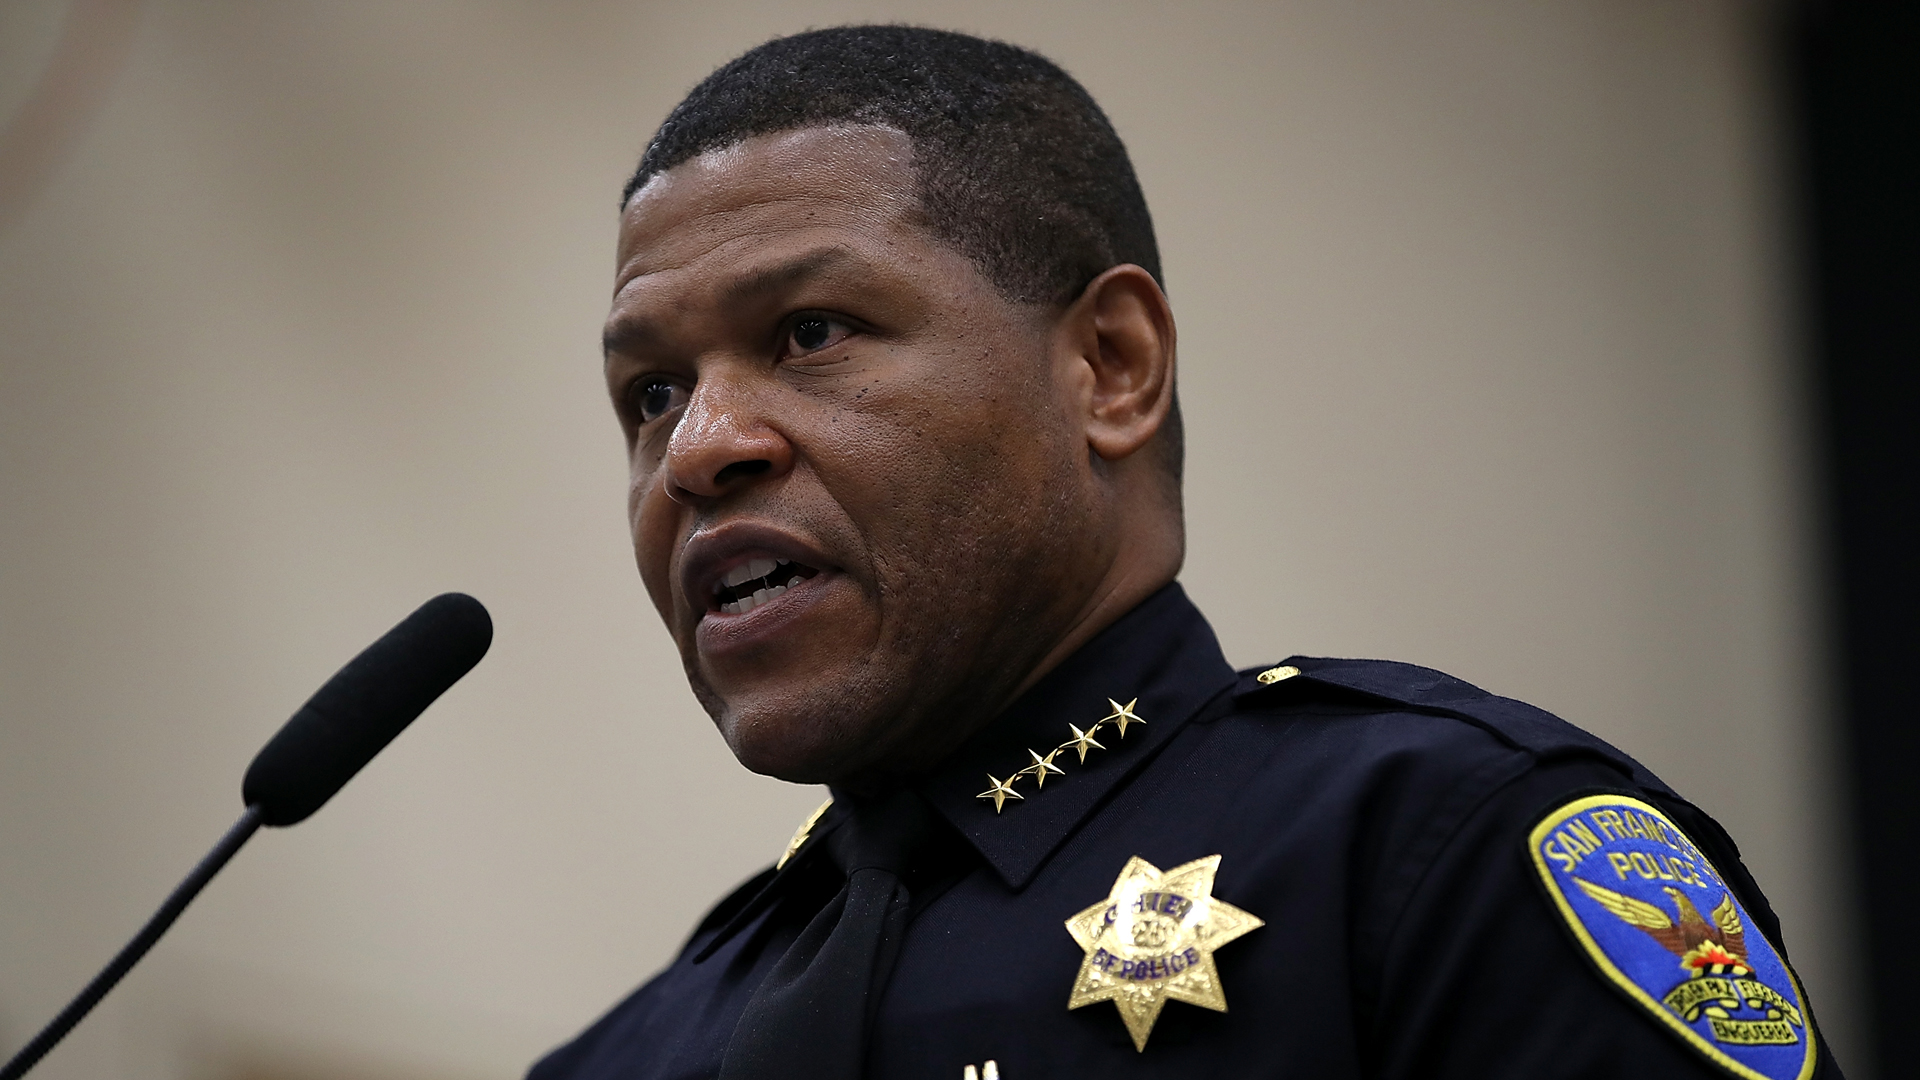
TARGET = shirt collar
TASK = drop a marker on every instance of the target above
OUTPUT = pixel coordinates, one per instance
(1161, 658)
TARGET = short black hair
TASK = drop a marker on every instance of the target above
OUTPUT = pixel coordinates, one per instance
(1017, 167)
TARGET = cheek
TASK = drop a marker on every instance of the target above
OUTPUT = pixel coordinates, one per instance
(652, 519)
(1002, 430)
(949, 456)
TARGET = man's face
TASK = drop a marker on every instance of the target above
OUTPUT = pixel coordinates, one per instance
(860, 496)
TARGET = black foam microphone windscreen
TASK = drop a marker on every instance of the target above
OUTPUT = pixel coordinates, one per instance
(364, 706)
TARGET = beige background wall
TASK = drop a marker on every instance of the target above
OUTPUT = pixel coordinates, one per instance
(1487, 366)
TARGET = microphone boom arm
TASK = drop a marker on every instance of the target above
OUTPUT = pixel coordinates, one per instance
(130, 954)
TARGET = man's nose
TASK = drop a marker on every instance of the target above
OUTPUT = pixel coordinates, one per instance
(721, 443)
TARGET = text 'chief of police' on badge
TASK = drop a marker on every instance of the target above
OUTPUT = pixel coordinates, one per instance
(895, 367)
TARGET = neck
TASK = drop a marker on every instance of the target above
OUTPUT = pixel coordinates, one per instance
(1149, 561)
(1147, 558)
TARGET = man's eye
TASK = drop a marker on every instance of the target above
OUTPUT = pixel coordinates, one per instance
(653, 398)
(811, 333)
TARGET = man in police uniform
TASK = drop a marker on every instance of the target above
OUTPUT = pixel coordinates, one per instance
(896, 372)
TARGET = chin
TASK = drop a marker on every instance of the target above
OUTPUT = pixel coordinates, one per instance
(797, 760)
(800, 746)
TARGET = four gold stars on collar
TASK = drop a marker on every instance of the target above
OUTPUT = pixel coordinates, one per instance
(1001, 790)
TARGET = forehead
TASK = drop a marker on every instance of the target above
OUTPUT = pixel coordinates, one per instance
(786, 190)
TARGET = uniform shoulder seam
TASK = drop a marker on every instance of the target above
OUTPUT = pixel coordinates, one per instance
(1410, 687)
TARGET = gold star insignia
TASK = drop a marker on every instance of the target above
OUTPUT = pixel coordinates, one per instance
(1152, 940)
(1001, 791)
(1041, 767)
(1081, 741)
(1124, 715)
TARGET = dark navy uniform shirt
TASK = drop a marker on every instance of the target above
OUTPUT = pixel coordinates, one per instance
(1376, 816)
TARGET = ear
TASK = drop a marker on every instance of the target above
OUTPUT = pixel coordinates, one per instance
(1118, 345)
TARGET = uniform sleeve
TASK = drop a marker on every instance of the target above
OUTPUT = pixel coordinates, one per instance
(1482, 978)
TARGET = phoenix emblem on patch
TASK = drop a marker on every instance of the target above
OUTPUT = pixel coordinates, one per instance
(1659, 922)
(1152, 940)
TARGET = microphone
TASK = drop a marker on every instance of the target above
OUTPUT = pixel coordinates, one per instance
(346, 722)
(359, 711)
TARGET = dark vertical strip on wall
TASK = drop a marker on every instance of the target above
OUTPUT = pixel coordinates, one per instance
(1859, 87)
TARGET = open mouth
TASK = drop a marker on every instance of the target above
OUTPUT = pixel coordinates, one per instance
(755, 582)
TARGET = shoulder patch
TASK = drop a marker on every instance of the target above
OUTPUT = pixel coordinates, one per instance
(1658, 921)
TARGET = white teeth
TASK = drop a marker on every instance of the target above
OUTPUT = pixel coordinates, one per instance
(754, 570)
(748, 571)
(748, 603)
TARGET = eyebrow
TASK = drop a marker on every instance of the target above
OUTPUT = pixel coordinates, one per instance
(767, 280)
(784, 275)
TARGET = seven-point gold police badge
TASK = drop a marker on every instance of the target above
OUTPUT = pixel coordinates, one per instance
(1660, 923)
(1152, 940)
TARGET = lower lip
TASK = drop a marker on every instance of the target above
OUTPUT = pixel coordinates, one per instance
(720, 633)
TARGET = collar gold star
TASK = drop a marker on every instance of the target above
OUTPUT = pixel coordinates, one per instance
(1123, 715)
(801, 834)
(1082, 741)
(1002, 790)
(1152, 941)
(1042, 767)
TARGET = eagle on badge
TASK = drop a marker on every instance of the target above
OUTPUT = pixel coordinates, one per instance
(1718, 947)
